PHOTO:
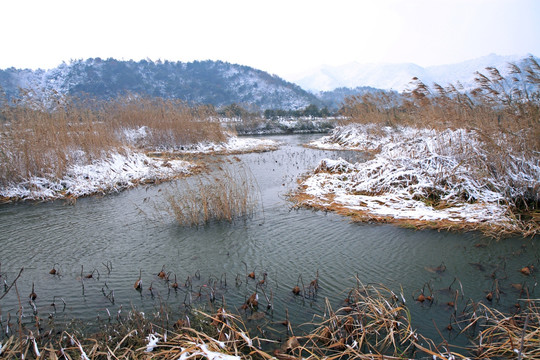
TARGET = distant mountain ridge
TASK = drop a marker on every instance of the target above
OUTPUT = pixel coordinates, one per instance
(397, 76)
(204, 82)
(220, 83)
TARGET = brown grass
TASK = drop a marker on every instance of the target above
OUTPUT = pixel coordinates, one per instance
(45, 141)
(36, 142)
(503, 112)
(504, 336)
(224, 195)
(170, 123)
(497, 106)
(373, 323)
(221, 333)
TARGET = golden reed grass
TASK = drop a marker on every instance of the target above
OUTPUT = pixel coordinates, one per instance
(498, 105)
(44, 140)
(503, 112)
(224, 195)
(171, 123)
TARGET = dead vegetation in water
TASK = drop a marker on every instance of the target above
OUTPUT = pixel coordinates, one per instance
(503, 336)
(373, 322)
(224, 195)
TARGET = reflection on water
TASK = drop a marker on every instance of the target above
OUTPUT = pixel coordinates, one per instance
(115, 237)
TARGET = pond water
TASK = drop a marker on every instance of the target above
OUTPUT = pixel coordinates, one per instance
(117, 236)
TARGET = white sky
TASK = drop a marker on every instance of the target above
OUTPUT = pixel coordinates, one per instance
(278, 36)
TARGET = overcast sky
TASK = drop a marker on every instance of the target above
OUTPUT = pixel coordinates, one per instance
(281, 37)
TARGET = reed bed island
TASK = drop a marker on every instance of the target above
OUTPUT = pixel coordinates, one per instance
(440, 157)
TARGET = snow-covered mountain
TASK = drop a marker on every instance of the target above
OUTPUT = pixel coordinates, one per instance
(206, 82)
(397, 76)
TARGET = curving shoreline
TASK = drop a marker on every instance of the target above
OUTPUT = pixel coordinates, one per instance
(123, 170)
(420, 178)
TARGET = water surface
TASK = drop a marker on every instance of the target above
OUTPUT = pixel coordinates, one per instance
(121, 231)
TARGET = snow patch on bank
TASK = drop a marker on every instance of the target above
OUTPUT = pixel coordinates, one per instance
(114, 173)
(234, 145)
(418, 174)
(122, 170)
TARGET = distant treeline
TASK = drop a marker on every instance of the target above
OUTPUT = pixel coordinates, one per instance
(240, 111)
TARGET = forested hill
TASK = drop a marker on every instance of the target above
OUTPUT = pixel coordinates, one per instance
(207, 82)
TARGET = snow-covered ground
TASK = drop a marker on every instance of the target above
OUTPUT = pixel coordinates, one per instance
(233, 145)
(422, 175)
(122, 170)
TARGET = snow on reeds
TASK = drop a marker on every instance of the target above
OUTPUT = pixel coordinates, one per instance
(113, 173)
(232, 145)
(76, 149)
(441, 156)
(419, 174)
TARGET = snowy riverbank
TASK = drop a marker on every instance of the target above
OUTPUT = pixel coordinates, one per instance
(423, 177)
(122, 170)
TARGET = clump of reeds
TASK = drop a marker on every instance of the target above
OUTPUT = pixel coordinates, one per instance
(497, 103)
(224, 195)
(136, 337)
(168, 123)
(45, 137)
(374, 320)
(507, 336)
(41, 142)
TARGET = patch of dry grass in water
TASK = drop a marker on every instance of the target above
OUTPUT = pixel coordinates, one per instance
(223, 195)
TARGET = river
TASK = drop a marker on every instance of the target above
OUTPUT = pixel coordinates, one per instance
(117, 235)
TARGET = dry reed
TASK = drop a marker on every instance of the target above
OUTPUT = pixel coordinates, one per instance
(507, 336)
(498, 107)
(43, 138)
(224, 195)
(134, 337)
(374, 323)
(169, 124)
(503, 113)
(42, 143)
